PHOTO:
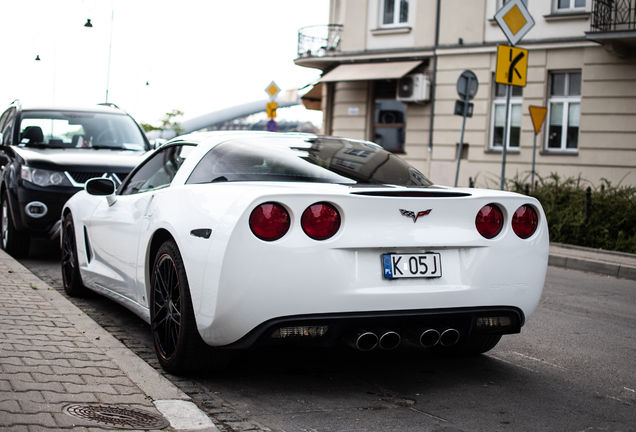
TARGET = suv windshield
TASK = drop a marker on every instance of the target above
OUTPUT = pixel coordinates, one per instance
(318, 160)
(76, 129)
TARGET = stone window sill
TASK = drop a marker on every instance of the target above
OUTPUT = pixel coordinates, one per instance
(390, 31)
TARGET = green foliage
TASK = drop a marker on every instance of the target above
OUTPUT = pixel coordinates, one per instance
(167, 122)
(148, 127)
(610, 223)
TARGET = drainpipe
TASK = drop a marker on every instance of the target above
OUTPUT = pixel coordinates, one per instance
(433, 87)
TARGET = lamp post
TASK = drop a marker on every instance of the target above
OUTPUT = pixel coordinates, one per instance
(37, 59)
(89, 24)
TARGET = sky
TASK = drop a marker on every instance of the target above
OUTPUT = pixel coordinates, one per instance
(196, 56)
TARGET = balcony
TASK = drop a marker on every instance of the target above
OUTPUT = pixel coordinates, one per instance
(319, 40)
(614, 24)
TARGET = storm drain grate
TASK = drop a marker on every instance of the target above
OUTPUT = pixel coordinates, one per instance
(111, 415)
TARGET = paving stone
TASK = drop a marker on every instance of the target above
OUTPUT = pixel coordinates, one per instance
(21, 386)
(11, 406)
(41, 419)
(34, 407)
(52, 397)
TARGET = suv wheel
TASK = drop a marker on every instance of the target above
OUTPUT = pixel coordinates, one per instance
(14, 242)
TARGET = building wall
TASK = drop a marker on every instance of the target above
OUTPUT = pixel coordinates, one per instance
(350, 109)
(607, 134)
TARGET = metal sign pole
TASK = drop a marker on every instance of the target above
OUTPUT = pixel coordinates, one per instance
(461, 139)
(534, 156)
(506, 138)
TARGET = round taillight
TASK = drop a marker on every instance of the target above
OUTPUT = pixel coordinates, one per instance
(320, 221)
(269, 221)
(489, 221)
(525, 221)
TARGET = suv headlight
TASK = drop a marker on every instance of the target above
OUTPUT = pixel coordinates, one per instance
(42, 177)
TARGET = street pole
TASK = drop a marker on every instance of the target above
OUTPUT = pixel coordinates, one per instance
(110, 47)
(461, 139)
(534, 156)
(506, 137)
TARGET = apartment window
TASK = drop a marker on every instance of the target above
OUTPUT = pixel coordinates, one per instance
(564, 110)
(566, 5)
(498, 132)
(395, 12)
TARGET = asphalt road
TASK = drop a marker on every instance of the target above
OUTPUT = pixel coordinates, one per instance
(573, 368)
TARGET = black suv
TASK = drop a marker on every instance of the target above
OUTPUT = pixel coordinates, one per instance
(48, 153)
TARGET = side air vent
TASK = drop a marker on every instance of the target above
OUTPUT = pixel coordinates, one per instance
(413, 194)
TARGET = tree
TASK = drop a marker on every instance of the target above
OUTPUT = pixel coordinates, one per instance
(167, 122)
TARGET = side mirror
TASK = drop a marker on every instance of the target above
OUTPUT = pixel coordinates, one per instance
(102, 187)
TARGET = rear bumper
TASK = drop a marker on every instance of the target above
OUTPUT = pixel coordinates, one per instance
(464, 320)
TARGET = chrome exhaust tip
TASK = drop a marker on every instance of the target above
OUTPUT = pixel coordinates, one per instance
(362, 340)
(424, 336)
(449, 337)
(388, 339)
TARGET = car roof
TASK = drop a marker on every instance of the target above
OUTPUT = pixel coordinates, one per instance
(85, 108)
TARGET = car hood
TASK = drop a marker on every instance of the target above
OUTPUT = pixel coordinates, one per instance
(86, 159)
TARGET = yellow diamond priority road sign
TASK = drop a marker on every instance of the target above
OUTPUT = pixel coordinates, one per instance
(512, 66)
(272, 90)
(515, 20)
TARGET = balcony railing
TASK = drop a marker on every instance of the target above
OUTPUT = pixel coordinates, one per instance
(613, 15)
(319, 40)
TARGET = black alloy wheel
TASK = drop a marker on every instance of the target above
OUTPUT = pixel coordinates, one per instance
(14, 242)
(71, 278)
(178, 345)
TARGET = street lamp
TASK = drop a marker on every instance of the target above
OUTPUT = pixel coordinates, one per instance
(89, 24)
(37, 59)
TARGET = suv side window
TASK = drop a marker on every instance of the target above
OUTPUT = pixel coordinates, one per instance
(158, 171)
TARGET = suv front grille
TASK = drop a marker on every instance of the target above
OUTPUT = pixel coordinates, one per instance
(83, 177)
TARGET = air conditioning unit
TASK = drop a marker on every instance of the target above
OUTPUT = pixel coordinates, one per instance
(413, 88)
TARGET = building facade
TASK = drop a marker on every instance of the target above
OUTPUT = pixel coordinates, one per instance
(390, 71)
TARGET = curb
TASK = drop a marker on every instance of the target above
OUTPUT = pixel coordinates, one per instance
(616, 270)
(596, 264)
(170, 401)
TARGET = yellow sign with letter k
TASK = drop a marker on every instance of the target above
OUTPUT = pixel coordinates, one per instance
(512, 66)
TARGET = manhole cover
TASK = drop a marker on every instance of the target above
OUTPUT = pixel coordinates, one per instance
(111, 415)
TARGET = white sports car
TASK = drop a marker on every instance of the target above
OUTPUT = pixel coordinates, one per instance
(231, 240)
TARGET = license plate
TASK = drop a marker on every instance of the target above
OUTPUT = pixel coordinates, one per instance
(424, 265)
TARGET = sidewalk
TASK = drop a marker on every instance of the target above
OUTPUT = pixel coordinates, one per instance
(617, 264)
(60, 370)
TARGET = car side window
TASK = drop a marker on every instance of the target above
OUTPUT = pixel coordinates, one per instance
(158, 171)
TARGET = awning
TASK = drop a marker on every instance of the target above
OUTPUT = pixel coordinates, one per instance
(370, 71)
(313, 98)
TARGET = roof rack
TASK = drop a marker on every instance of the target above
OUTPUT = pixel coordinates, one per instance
(109, 104)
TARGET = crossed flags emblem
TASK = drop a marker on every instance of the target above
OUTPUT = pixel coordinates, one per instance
(409, 213)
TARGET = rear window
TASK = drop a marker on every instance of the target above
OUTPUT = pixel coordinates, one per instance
(65, 129)
(297, 159)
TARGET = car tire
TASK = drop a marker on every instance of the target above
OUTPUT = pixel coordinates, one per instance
(178, 344)
(474, 345)
(71, 277)
(14, 242)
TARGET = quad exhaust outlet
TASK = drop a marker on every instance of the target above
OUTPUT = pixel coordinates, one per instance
(428, 337)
